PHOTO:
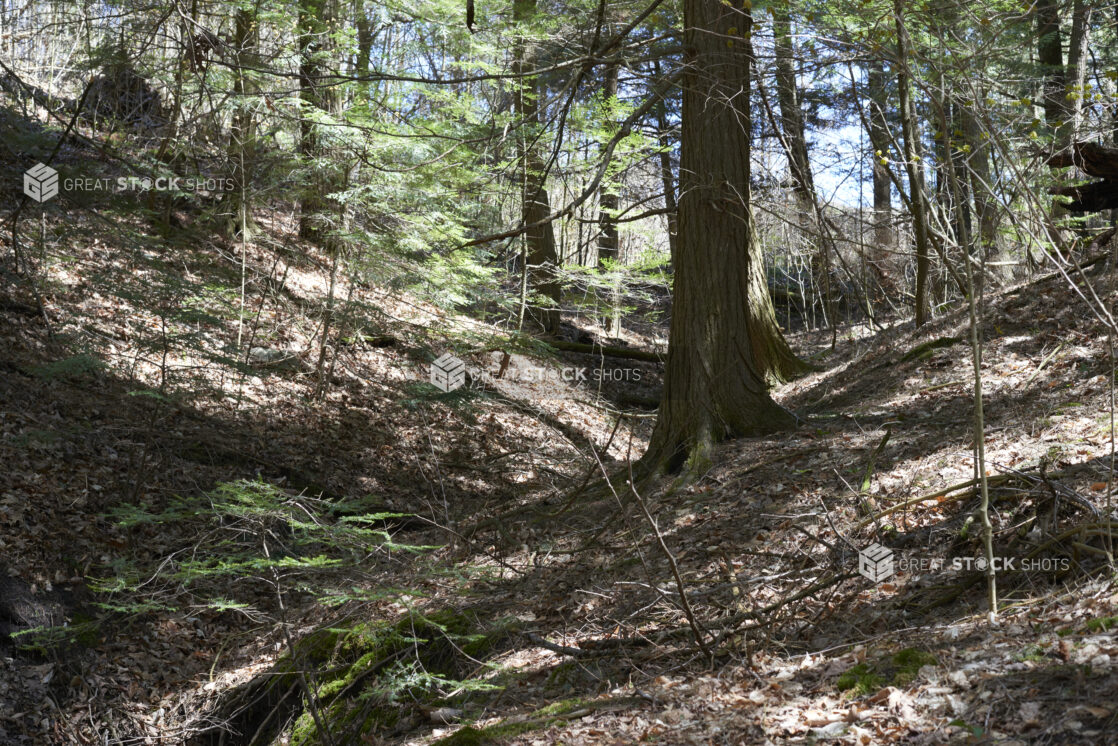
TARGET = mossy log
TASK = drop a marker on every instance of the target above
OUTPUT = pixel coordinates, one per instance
(343, 668)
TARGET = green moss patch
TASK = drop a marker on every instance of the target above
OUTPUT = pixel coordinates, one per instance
(860, 680)
(900, 670)
(1102, 624)
(908, 663)
(364, 676)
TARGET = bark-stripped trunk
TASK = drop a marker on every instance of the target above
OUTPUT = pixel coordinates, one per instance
(714, 385)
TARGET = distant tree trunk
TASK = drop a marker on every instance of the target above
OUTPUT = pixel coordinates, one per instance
(791, 116)
(608, 202)
(364, 50)
(540, 254)
(915, 169)
(1050, 55)
(667, 177)
(960, 193)
(985, 202)
(318, 22)
(940, 195)
(771, 353)
(714, 385)
(794, 140)
(1077, 66)
(1058, 114)
(879, 141)
(242, 135)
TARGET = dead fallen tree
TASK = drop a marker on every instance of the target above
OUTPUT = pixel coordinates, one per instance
(1093, 159)
(118, 93)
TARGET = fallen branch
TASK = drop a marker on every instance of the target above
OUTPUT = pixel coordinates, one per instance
(692, 622)
(592, 349)
(555, 648)
(968, 488)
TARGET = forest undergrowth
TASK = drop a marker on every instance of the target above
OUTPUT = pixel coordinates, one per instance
(183, 526)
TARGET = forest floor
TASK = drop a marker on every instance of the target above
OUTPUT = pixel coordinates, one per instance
(154, 596)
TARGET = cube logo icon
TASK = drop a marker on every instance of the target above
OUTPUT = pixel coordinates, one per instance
(448, 373)
(875, 563)
(40, 182)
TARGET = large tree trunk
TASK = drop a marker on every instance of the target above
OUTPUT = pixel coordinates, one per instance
(915, 169)
(714, 385)
(540, 255)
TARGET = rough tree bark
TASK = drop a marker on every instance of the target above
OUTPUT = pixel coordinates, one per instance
(714, 383)
(364, 50)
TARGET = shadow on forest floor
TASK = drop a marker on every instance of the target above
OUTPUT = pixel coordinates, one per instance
(93, 420)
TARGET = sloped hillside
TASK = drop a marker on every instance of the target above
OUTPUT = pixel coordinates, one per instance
(199, 530)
